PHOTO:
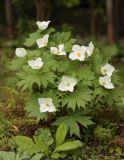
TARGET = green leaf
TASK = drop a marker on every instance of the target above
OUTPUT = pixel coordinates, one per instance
(48, 31)
(32, 107)
(84, 73)
(33, 53)
(80, 97)
(72, 121)
(7, 155)
(96, 61)
(25, 144)
(36, 35)
(68, 45)
(38, 156)
(43, 147)
(109, 51)
(32, 38)
(55, 155)
(45, 135)
(61, 134)
(59, 38)
(47, 77)
(43, 139)
(69, 146)
(29, 77)
(18, 63)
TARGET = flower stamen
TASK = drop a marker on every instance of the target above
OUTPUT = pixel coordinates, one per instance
(78, 54)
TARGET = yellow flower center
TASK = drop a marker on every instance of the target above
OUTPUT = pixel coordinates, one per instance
(104, 83)
(45, 43)
(68, 84)
(78, 54)
(105, 70)
(47, 105)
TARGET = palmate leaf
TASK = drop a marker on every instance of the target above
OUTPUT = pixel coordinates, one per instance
(33, 53)
(29, 77)
(55, 62)
(32, 38)
(18, 63)
(110, 96)
(47, 77)
(28, 81)
(36, 35)
(96, 61)
(62, 38)
(68, 45)
(84, 73)
(80, 97)
(32, 107)
(72, 121)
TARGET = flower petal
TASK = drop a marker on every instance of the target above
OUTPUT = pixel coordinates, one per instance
(72, 56)
(106, 82)
(43, 109)
(61, 47)
(20, 52)
(36, 64)
(54, 50)
(67, 84)
(109, 86)
(90, 49)
(75, 47)
(107, 69)
(52, 108)
(46, 105)
(42, 42)
(42, 25)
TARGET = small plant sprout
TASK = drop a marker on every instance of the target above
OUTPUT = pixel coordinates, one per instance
(46, 105)
(107, 69)
(58, 50)
(67, 84)
(106, 82)
(20, 52)
(42, 42)
(36, 64)
(42, 25)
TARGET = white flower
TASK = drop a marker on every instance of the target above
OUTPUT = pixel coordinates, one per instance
(42, 25)
(46, 105)
(59, 50)
(89, 49)
(42, 42)
(78, 53)
(20, 52)
(106, 82)
(107, 69)
(36, 64)
(67, 84)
